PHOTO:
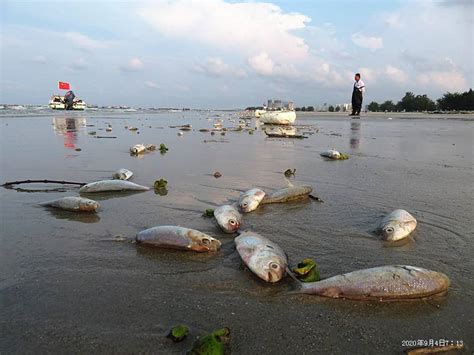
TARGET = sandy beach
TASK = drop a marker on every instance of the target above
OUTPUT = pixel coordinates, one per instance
(67, 287)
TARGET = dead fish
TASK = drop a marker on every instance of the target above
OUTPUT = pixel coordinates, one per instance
(251, 199)
(72, 203)
(174, 237)
(122, 174)
(137, 149)
(228, 218)
(394, 282)
(331, 154)
(263, 257)
(287, 194)
(112, 185)
(397, 225)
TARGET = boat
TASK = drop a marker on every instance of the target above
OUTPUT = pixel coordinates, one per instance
(57, 103)
(280, 117)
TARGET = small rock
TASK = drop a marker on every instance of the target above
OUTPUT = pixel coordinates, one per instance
(217, 174)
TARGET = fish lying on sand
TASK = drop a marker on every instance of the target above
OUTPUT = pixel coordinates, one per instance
(263, 257)
(228, 218)
(331, 154)
(287, 194)
(138, 149)
(122, 174)
(72, 203)
(397, 225)
(250, 199)
(112, 185)
(397, 282)
(174, 237)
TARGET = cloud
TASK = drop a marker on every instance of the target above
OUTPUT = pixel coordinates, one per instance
(363, 41)
(78, 65)
(395, 74)
(446, 80)
(247, 28)
(132, 65)
(217, 67)
(84, 42)
(151, 84)
(262, 64)
(369, 75)
(40, 59)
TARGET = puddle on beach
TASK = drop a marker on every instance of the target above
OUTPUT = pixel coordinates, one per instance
(68, 287)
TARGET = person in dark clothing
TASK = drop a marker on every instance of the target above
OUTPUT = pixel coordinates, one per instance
(69, 100)
(357, 95)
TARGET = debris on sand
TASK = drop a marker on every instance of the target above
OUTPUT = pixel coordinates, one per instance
(217, 175)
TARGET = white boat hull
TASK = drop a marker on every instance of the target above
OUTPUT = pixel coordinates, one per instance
(278, 117)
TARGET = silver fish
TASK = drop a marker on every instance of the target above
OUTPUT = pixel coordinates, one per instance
(395, 282)
(228, 218)
(174, 237)
(72, 203)
(263, 257)
(331, 154)
(250, 199)
(290, 193)
(122, 174)
(397, 225)
(137, 149)
(112, 185)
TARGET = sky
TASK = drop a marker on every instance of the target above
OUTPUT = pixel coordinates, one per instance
(232, 54)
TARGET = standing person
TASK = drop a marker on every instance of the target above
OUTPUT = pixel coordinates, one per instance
(357, 95)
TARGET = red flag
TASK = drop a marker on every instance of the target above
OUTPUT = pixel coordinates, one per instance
(64, 86)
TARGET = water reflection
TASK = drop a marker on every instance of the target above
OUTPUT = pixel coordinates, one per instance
(68, 128)
(75, 216)
(354, 141)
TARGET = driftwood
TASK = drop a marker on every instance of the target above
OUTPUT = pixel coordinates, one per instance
(11, 183)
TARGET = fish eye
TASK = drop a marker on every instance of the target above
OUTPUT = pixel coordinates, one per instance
(205, 241)
(389, 230)
(274, 266)
(231, 222)
(245, 204)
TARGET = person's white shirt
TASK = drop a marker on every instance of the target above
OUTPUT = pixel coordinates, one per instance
(360, 85)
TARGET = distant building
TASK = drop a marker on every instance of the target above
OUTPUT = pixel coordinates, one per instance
(277, 104)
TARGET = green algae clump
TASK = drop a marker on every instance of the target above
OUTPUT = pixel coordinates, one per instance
(307, 271)
(163, 148)
(211, 344)
(160, 184)
(208, 213)
(178, 333)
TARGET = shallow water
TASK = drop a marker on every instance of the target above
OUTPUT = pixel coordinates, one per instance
(66, 287)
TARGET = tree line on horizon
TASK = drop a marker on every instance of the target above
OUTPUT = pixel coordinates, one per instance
(410, 103)
(417, 103)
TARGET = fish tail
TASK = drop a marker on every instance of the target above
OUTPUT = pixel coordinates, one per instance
(288, 181)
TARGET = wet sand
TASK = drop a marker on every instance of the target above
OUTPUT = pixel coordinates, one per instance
(66, 288)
